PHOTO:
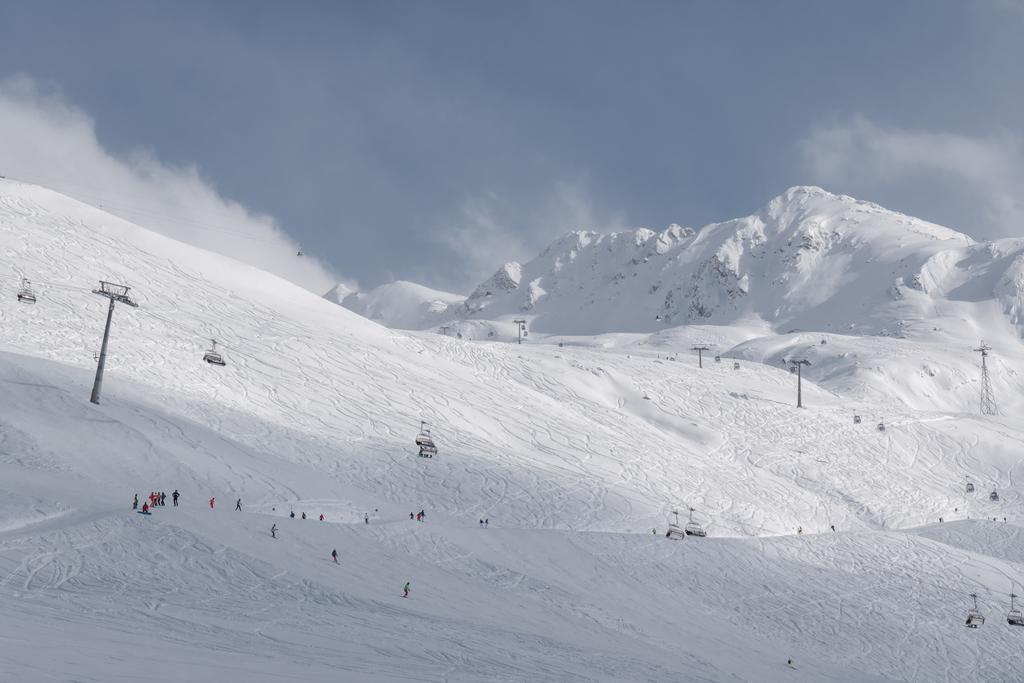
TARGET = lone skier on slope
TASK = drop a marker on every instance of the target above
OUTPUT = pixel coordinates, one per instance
(211, 503)
(405, 591)
(135, 502)
(175, 497)
(334, 556)
(273, 531)
(238, 505)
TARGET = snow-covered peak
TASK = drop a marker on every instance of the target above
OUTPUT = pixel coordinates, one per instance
(809, 259)
(400, 304)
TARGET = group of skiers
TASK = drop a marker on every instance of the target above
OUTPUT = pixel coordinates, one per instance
(156, 499)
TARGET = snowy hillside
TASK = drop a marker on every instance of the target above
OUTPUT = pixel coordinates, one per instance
(573, 453)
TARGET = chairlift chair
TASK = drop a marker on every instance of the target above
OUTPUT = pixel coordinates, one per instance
(856, 419)
(735, 366)
(693, 528)
(426, 442)
(974, 617)
(881, 426)
(970, 487)
(675, 531)
(1014, 617)
(25, 294)
(212, 356)
(994, 496)
(718, 359)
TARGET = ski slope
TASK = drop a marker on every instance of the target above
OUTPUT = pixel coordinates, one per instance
(574, 453)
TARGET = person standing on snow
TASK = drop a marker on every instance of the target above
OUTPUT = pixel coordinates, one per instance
(211, 503)
(366, 518)
(405, 591)
(238, 505)
(163, 499)
(334, 555)
(273, 531)
(292, 514)
(175, 497)
(135, 502)
(303, 515)
(321, 516)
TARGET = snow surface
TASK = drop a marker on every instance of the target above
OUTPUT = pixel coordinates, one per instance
(574, 452)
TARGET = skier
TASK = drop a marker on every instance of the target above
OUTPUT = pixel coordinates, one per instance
(273, 531)
(366, 518)
(833, 527)
(487, 521)
(481, 521)
(321, 516)
(135, 502)
(211, 503)
(654, 531)
(799, 530)
(334, 555)
(303, 515)
(175, 497)
(163, 499)
(410, 515)
(292, 514)
(238, 505)
(423, 515)
(405, 591)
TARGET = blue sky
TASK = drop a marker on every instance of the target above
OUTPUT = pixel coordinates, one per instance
(434, 140)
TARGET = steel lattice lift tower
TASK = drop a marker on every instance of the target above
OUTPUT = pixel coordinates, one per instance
(988, 401)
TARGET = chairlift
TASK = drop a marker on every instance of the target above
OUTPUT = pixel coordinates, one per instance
(426, 442)
(675, 530)
(856, 419)
(881, 426)
(26, 294)
(718, 359)
(693, 528)
(735, 366)
(974, 617)
(970, 486)
(1014, 617)
(994, 496)
(212, 356)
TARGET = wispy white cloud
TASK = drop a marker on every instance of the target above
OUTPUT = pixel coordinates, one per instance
(48, 141)
(490, 230)
(984, 175)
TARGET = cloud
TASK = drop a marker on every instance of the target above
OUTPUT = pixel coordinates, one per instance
(490, 230)
(975, 181)
(50, 142)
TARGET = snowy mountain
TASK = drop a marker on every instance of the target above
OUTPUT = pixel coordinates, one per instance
(574, 450)
(400, 304)
(809, 260)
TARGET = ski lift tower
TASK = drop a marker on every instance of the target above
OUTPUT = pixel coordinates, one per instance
(798, 364)
(520, 328)
(700, 349)
(988, 401)
(116, 294)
